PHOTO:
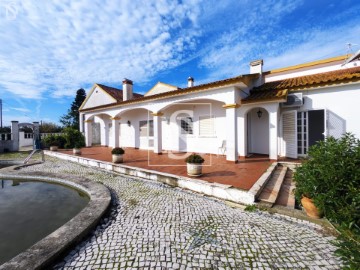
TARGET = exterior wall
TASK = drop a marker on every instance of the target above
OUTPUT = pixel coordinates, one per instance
(342, 107)
(172, 139)
(258, 134)
(310, 70)
(98, 97)
(25, 139)
(160, 88)
(130, 135)
(272, 126)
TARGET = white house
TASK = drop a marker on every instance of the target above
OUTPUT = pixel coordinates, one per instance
(278, 113)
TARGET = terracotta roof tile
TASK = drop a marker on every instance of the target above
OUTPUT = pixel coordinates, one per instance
(275, 90)
(180, 91)
(116, 93)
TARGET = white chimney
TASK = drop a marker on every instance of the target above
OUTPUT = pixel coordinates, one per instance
(127, 89)
(256, 66)
(190, 82)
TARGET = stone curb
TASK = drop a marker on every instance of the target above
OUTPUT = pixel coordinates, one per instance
(47, 250)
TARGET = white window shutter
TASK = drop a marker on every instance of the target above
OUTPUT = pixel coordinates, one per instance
(290, 133)
(206, 127)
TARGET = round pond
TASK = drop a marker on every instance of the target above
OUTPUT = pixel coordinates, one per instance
(31, 210)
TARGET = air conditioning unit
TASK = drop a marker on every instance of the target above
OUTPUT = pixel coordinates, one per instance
(293, 100)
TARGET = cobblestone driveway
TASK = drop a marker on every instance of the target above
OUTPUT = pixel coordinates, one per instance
(153, 226)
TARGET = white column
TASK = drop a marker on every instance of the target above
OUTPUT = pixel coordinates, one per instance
(231, 132)
(273, 134)
(157, 132)
(242, 134)
(88, 132)
(115, 132)
(81, 122)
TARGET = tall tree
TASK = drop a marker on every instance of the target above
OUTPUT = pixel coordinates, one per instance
(71, 119)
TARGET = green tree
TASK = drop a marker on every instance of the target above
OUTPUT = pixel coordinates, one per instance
(48, 127)
(71, 119)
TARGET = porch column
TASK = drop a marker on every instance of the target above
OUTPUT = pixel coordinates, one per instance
(273, 134)
(81, 122)
(242, 134)
(115, 132)
(88, 132)
(231, 132)
(157, 132)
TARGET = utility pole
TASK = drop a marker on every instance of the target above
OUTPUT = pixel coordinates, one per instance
(1, 112)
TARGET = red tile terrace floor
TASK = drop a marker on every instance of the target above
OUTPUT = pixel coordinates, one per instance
(215, 168)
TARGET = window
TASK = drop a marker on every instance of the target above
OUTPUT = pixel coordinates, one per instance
(206, 126)
(146, 128)
(187, 125)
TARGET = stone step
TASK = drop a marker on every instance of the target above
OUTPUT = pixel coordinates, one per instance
(286, 196)
(270, 192)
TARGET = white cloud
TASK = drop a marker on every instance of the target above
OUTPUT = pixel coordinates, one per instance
(20, 109)
(56, 46)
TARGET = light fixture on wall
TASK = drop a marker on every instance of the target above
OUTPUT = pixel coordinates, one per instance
(259, 113)
(129, 123)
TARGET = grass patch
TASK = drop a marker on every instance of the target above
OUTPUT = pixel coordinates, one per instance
(251, 208)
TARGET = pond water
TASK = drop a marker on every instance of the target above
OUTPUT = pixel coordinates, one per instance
(31, 210)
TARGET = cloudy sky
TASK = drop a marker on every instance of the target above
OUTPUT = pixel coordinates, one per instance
(51, 48)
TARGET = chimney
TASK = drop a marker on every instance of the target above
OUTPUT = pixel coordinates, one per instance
(256, 66)
(190, 82)
(127, 89)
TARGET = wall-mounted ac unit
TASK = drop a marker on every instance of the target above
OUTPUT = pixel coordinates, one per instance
(294, 100)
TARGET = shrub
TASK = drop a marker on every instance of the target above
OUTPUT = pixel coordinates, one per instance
(194, 158)
(54, 140)
(331, 177)
(73, 137)
(117, 151)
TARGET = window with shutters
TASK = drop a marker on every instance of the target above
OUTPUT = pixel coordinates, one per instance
(146, 128)
(187, 125)
(206, 126)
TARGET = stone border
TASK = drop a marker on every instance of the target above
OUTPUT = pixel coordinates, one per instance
(46, 251)
(221, 191)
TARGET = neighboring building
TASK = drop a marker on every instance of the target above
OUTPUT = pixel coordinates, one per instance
(277, 113)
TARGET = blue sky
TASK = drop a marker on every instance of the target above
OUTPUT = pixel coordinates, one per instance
(49, 49)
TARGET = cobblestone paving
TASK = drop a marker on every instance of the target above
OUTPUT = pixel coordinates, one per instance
(153, 226)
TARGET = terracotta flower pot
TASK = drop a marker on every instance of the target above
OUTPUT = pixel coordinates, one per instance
(194, 169)
(117, 158)
(310, 208)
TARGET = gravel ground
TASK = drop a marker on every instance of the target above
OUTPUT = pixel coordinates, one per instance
(153, 226)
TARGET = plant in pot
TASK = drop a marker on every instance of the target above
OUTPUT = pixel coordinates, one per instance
(117, 155)
(77, 148)
(194, 164)
(54, 145)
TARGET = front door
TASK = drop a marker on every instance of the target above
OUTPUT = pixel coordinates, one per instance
(310, 129)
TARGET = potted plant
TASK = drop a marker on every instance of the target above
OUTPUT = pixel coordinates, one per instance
(117, 155)
(194, 164)
(54, 145)
(77, 148)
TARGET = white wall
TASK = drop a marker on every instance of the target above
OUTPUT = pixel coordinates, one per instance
(310, 70)
(97, 98)
(341, 103)
(258, 140)
(173, 140)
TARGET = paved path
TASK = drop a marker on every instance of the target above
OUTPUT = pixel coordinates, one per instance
(152, 226)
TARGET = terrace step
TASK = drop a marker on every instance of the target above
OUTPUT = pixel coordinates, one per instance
(286, 196)
(270, 193)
